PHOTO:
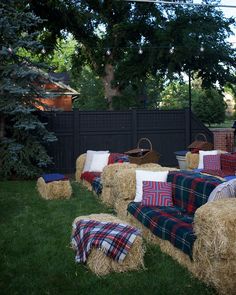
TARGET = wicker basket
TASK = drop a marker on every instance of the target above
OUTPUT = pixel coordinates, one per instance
(141, 156)
(199, 144)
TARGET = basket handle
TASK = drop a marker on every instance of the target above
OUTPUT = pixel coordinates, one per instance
(144, 139)
(201, 134)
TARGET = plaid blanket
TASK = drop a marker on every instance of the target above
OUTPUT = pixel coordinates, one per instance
(114, 239)
(97, 185)
(228, 162)
(117, 158)
(90, 176)
(191, 190)
(168, 223)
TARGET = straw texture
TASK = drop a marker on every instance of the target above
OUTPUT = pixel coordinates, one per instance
(101, 264)
(54, 190)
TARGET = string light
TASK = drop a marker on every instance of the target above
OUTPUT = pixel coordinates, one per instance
(202, 48)
(10, 50)
(172, 50)
(108, 52)
(43, 51)
(140, 51)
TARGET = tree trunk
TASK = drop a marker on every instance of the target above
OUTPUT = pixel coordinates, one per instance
(110, 91)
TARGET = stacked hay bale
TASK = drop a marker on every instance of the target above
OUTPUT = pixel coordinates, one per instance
(215, 248)
(101, 264)
(55, 189)
(192, 160)
(125, 187)
(108, 176)
(80, 166)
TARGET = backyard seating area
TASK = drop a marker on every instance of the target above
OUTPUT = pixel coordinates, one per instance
(180, 228)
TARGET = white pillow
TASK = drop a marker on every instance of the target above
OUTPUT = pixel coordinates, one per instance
(145, 175)
(99, 161)
(205, 153)
(89, 156)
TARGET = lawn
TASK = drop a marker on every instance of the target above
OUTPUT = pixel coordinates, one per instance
(36, 257)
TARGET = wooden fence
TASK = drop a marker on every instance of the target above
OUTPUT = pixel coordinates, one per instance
(78, 131)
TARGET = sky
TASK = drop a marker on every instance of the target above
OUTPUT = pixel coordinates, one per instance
(229, 12)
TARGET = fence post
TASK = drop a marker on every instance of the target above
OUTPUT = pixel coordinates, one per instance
(76, 133)
(134, 128)
(187, 127)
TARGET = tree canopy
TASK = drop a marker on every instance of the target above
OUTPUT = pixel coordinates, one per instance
(123, 42)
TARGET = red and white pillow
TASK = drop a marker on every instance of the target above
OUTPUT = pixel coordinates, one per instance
(157, 194)
(212, 162)
(145, 175)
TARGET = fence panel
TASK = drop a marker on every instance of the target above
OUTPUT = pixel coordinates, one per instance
(78, 131)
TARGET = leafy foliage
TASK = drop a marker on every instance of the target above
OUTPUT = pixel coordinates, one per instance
(22, 134)
(207, 104)
(173, 39)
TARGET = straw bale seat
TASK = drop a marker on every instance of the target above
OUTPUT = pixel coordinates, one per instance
(101, 264)
(57, 189)
(213, 235)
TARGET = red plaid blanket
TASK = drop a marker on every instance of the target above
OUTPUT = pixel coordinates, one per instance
(114, 239)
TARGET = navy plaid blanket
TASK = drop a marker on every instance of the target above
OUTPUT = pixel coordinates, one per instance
(168, 223)
(97, 185)
(114, 239)
(190, 190)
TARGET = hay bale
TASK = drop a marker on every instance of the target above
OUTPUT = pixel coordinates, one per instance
(87, 185)
(215, 248)
(149, 165)
(55, 189)
(192, 160)
(101, 264)
(80, 166)
(110, 171)
(108, 176)
(120, 207)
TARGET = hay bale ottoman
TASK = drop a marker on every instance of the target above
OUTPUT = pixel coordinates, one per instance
(101, 264)
(54, 186)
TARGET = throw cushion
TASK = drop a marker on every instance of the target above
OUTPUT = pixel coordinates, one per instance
(99, 161)
(211, 162)
(157, 194)
(89, 156)
(205, 153)
(145, 175)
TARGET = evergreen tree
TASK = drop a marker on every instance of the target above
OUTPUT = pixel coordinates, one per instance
(22, 134)
(124, 42)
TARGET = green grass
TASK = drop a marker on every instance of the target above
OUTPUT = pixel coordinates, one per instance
(36, 257)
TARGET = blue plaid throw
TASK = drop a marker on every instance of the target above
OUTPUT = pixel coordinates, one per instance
(168, 223)
(114, 239)
(97, 185)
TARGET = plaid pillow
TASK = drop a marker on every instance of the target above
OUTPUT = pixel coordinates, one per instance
(157, 194)
(211, 162)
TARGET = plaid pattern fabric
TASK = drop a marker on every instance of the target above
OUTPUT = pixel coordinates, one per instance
(220, 173)
(53, 177)
(97, 185)
(117, 158)
(168, 223)
(211, 162)
(157, 193)
(114, 239)
(228, 162)
(191, 190)
(90, 176)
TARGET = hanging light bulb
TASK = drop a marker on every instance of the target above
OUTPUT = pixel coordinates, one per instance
(140, 51)
(202, 48)
(172, 50)
(10, 50)
(76, 51)
(43, 51)
(108, 52)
